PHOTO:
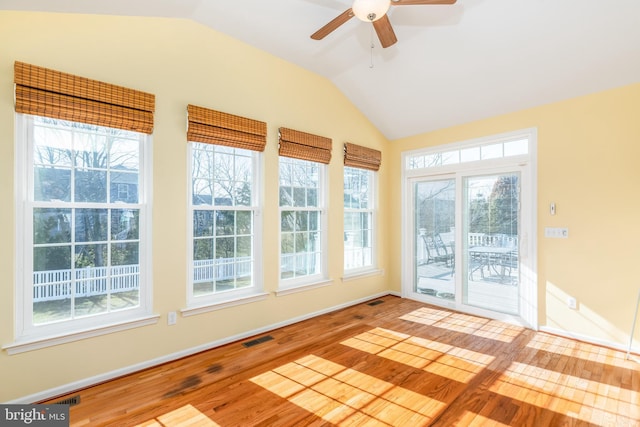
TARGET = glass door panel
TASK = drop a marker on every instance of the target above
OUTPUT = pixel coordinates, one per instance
(434, 238)
(491, 216)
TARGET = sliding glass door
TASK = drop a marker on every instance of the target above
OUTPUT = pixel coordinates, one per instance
(490, 211)
(466, 237)
(434, 237)
(469, 221)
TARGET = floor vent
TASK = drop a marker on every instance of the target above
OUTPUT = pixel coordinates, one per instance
(71, 401)
(372, 303)
(257, 341)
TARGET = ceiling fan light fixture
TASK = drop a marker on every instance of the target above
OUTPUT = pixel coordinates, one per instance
(370, 10)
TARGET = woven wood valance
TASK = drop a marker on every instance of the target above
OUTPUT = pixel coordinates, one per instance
(215, 127)
(358, 156)
(304, 146)
(44, 92)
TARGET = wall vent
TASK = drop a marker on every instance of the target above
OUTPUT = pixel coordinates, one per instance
(372, 303)
(257, 341)
(71, 401)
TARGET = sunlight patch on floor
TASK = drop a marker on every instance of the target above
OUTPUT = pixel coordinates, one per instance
(571, 395)
(465, 323)
(445, 360)
(185, 416)
(342, 395)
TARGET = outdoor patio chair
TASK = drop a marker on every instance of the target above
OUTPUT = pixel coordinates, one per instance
(437, 251)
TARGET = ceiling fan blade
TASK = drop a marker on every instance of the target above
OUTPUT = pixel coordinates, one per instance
(332, 25)
(385, 31)
(410, 2)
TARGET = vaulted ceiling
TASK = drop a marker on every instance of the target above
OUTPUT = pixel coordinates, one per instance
(452, 64)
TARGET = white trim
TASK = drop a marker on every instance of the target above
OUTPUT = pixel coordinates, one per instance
(192, 311)
(286, 285)
(372, 209)
(527, 167)
(20, 195)
(588, 339)
(217, 300)
(87, 382)
(302, 288)
(471, 143)
(362, 274)
(39, 343)
(24, 329)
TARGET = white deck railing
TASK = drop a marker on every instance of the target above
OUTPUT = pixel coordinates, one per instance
(57, 284)
(221, 269)
(357, 257)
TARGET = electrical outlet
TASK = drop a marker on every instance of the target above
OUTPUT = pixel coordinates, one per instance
(572, 303)
(172, 318)
(556, 232)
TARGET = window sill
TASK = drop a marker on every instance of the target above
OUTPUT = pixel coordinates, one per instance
(192, 311)
(349, 276)
(302, 288)
(30, 344)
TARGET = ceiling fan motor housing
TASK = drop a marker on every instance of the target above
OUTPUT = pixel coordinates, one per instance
(370, 10)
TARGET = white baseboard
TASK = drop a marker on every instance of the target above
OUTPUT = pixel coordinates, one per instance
(88, 382)
(588, 339)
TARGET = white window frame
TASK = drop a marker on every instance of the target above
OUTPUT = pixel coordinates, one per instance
(371, 209)
(413, 168)
(217, 300)
(310, 281)
(29, 336)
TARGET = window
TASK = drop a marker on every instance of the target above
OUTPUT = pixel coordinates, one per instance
(85, 240)
(302, 232)
(224, 263)
(358, 218)
(470, 152)
(82, 252)
(223, 212)
(360, 169)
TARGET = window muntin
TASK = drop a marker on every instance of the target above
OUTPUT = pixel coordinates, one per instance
(358, 218)
(84, 247)
(302, 233)
(223, 220)
(492, 150)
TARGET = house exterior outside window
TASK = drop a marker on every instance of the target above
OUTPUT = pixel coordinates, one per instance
(224, 210)
(359, 219)
(82, 246)
(302, 228)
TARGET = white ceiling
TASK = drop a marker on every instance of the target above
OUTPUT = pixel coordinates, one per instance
(452, 64)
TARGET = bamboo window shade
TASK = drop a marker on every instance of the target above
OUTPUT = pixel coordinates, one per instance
(358, 156)
(44, 92)
(304, 146)
(214, 127)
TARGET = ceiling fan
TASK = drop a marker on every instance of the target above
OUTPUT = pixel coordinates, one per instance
(374, 11)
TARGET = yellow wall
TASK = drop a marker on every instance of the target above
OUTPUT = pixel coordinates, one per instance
(588, 164)
(588, 149)
(182, 63)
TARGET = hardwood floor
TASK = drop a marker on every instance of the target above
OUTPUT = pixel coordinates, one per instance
(395, 362)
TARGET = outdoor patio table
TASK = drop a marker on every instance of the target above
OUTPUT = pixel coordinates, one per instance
(489, 257)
